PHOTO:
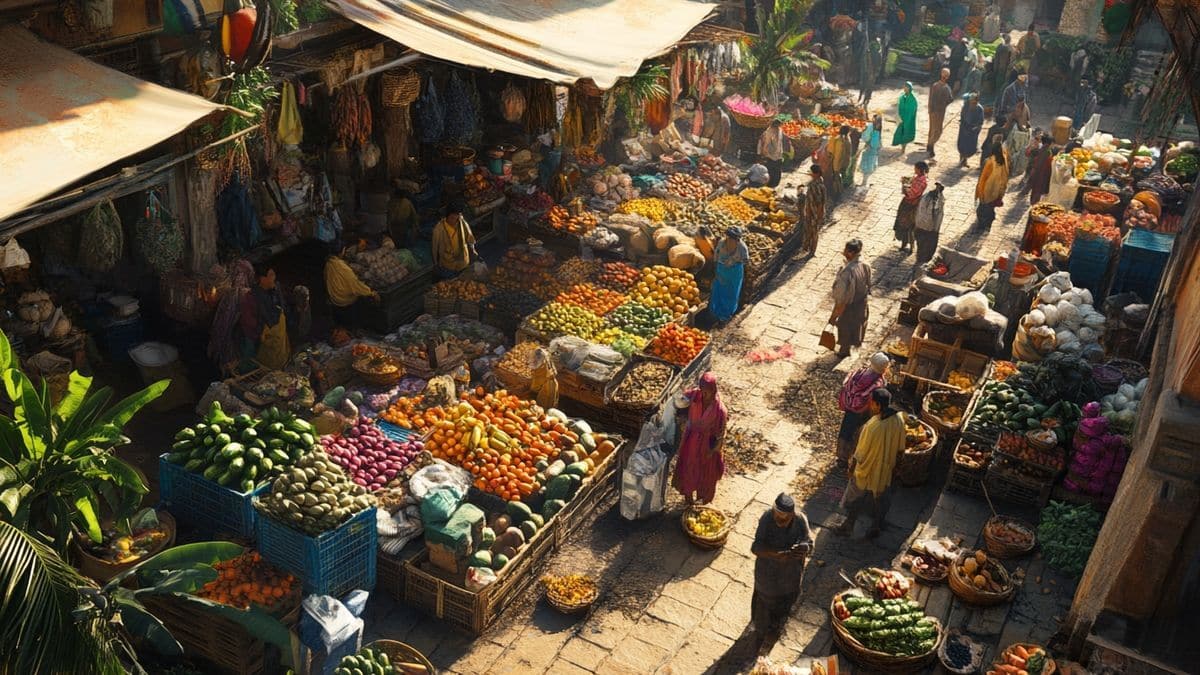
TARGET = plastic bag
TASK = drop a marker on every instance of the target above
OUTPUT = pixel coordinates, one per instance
(437, 476)
(336, 622)
(479, 578)
(439, 505)
(971, 305)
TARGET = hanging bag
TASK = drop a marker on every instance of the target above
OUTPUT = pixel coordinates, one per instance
(159, 237)
(101, 238)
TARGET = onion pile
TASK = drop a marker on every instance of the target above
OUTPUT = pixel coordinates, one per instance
(370, 458)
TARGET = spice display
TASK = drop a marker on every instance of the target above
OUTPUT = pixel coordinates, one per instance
(370, 458)
(460, 289)
(686, 187)
(241, 452)
(1067, 534)
(563, 220)
(643, 384)
(638, 319)
(598, 300)
(762, 249)
(678, 344)
(618, 276)
(557, 318)
(893, 626)
(736, 207)
(314, 496)
(667, 288)
(248, 580)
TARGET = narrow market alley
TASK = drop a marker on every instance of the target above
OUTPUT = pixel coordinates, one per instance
(668, 607)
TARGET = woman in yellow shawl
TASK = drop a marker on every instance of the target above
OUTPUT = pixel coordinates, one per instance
(993, 183)
(879, 445)
(453, 243)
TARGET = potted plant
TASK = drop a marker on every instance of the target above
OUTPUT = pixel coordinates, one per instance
(779, 54)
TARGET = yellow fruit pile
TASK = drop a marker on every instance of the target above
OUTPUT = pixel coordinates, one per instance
(960, 379)
(561, 319)
(777, 221)
(736, 207)
(611, 335)
(667, 288)
(653, 208)
(572, 589)
(760, 195)
(706, 523)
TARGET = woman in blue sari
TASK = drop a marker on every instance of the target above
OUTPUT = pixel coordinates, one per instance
(872, 141)
(732, 256)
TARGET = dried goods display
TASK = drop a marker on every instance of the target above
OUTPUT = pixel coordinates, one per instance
(657, 210)
(350, 117)
(562, 220)
(667, 288)
(961, 380)
(618, 276)
(460, 289)
(678, 344)
(638, 319)
(643, 384)
(736, 207)
(599, 300)
(717, 172)
(370, 458)
(972, 455)
(247, 580)
(314, 496)
(762, 248)
(686, 187)
(576, 271)
(562, 319)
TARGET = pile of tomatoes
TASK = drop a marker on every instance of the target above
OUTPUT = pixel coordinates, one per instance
(678, 344)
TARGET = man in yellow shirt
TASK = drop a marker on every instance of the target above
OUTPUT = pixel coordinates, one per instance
(879, 445)
(453, 243)
(345, 289)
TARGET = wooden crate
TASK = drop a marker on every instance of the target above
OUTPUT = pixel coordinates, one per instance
(571, 385)
(1004, 486)
(930, 363)
(214, 638)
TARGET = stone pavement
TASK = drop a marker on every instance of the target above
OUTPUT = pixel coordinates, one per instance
(668, 607)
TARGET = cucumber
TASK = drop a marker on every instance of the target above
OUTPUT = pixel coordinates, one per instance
(194, 465)
(233, 450)
(307, 440)
(278, 455)
(247, 485)
(178, 457)
(237, 464)
(223, 440)
(212, 472)
(249, 435)
(265, 465)
(180, 446)
(229, 478)
(255, 454)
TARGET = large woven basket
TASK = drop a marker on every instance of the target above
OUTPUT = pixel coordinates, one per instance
(573, 607)
(998, 548)
(912, 466)
(940, 426)
(103, 570)
(1048, 669)
(879, 662)
(710, 542)
(400, 87)
(379, 379)
(752, 121)
(398, 652)
(966, 591)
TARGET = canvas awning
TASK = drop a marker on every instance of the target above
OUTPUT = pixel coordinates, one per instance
(63, 117)
(558, 40)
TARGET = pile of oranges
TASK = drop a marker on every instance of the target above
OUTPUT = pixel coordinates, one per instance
(666, 288)
(678, 344)
(460, 289)
(247, 579)
(410, 413)
(601, 301)
(618, 275)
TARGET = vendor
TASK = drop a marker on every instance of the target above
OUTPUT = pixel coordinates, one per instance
(705, 242)
(402, 219)
(544, 382)
(453, 243)
(264, 321)
(346, 291)
(732, 257)
(756, 176)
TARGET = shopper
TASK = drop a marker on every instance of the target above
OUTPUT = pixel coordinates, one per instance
(814, 210)
(872, 142)
(264, 321)
(906, 213)
(851, 287)
(958, 58)
(970, 123)
(782, 544)
(906, 130)
(1040, 167)
(989, 191)
(853, 400)
(225, 339)
(1027, 48)
(1012, 93)
(453, 243)
(1085, 105)
(717, 127)
(732, 256)
(770, 151)
(929, 223)
(346, 291)
(1001, 63)
(940, 96)
(701, 461)
(403, 221)
(879, 445)
(972, 80)
(842, 152)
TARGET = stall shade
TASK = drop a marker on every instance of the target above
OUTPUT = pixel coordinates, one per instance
(63, 117)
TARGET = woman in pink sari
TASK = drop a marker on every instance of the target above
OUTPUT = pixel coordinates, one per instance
(853, 399)
(701, 464)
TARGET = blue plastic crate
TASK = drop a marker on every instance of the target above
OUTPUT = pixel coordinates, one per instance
(396, 433)
(334, 563)
(1145, 240)
(205, 505)
(119, 336)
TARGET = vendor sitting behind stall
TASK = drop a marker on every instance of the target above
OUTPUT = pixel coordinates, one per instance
(402, 219)
(346, 291)
(453, 243)
(264, 321)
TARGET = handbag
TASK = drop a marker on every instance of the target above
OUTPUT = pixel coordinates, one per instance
(828, 339)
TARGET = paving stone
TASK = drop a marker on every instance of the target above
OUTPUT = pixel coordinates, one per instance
(606, 628)
(481, 656)
(583, 653)
(660, 633)
(640, 655)
(673, 611)
(692, 593)
(564, 667)
(702, 651)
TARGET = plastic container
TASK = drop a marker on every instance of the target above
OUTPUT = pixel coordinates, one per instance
(395, 433)
(334, 563)
(121, 335)
(158, 361)
(204, 505)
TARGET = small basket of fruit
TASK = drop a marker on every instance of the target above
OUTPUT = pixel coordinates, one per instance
(928, 568)
(883, 584)
(1023, 658)
(572, 593)
(707, 527)
(944, 410)
(959, 653)
(978, 580)
(1006, 537)
(376, 366)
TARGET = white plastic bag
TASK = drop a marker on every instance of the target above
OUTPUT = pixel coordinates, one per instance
(971, 305)
(337, 622)
(479, 578)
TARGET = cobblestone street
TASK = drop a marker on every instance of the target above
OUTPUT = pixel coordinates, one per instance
(671, 608)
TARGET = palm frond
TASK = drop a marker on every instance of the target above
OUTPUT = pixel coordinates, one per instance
(38, 633)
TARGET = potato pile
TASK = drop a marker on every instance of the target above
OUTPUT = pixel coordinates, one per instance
(562, 220)
(519, 359)
(643, 383)
(618, 276)
(687, 187)
(561, 319)
(668, 288)
(460, 289)
(576, 271)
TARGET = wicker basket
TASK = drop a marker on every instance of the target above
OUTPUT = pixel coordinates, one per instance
(873, 661)
(379, 379)
(930, 579)
(573, 607)
(940, 426)
(966, 591)
(102, 570)
(400, 87)
(998, 548)
(912, 466)
(398, 652)
(706, 542)
(1131, 370)
(751, 121)
(1095, 201)
(954, 635)
(1048, 669)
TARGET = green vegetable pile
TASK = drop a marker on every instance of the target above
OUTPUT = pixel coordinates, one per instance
(1067, 534)
(241, 452)
(1058, 376)
(367, 661)
(1005, 406)
(894, 626)
(925, 43)
(1185, 164)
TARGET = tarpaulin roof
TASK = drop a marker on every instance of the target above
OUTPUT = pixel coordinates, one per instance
(63, 117)
(557, 40)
